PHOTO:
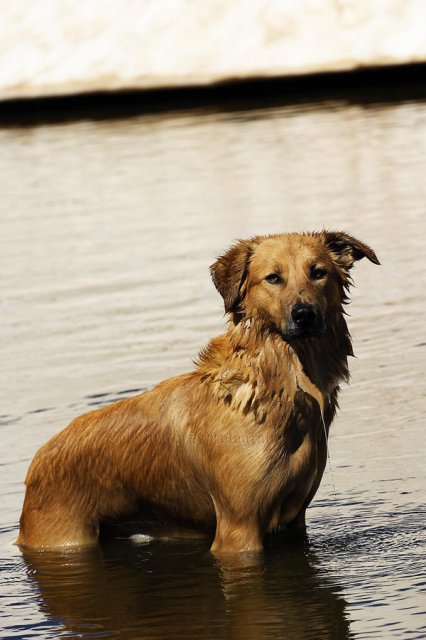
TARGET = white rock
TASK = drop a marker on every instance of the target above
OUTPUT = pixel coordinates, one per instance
(56, 47)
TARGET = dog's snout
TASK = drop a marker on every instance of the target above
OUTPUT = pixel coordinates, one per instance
(305, 321)
(304, 314)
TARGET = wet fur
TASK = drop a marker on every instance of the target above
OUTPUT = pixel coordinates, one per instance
(235, 448)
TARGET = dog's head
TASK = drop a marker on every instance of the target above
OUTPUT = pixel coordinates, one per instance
(291, 283)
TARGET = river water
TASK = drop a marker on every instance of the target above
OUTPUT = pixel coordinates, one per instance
(108, 228)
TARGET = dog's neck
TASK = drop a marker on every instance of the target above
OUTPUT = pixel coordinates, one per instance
(325, 359)
(248, 352)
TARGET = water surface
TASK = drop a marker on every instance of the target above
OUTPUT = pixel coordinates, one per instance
(108, 228)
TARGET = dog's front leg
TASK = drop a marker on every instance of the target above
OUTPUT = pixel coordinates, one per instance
(235, 534)
(299, 522)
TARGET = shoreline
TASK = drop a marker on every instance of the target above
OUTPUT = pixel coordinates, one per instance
(363, 86)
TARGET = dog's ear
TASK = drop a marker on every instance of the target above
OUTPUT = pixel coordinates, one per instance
(229, 273)
(346, 250)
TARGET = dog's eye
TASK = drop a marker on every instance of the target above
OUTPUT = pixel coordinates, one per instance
(274, 278)
(317, 273)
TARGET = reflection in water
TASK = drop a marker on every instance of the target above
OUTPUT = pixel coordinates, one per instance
(179, 590)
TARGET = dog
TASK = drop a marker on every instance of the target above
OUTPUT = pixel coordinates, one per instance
(236, 448)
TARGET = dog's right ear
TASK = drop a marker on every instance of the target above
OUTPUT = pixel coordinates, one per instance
(229, 273)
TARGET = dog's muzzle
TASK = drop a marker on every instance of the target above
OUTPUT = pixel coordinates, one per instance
(306, 321)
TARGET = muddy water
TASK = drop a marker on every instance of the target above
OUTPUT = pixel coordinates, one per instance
(108, 229)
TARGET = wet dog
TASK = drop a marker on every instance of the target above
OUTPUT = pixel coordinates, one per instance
(235, 448)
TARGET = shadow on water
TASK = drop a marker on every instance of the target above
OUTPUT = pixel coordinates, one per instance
(179, 589)
(367, 86)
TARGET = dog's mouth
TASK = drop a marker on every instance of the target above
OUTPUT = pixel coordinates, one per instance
(300, 334)
(306, 321)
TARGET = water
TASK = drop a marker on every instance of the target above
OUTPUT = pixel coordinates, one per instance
(108, 228)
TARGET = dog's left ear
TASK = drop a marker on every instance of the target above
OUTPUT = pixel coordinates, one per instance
(346, 250)
(229, 273)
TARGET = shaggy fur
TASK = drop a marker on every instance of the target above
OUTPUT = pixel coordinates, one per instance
(238, 446)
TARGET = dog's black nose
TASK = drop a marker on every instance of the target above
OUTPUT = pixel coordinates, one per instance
(304, 315)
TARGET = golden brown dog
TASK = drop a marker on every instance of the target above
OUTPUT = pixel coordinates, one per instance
(238, 446)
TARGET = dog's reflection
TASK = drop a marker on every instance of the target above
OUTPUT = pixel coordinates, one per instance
(177, 589)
